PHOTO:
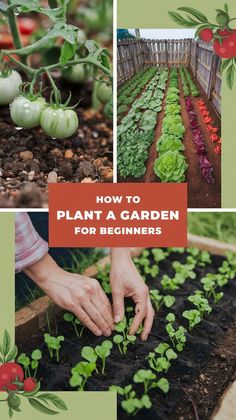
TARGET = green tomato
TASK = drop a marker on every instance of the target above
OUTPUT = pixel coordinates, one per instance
(9, 87)
(26, 113)
(81, 37)
(104, 93)
(59, 123)
(75, 74)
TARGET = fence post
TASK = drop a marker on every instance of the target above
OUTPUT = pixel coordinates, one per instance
(212, 78)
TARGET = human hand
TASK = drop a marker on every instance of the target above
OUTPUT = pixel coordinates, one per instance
(76, 293)
(126, 281)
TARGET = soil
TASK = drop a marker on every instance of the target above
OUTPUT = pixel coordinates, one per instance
(200, 194)
(29, 159)
(197, 378)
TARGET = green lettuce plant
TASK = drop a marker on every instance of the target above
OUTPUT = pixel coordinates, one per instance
(171, 167)
(167, 142)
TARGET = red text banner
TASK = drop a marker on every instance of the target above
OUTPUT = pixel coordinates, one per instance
(117, 215)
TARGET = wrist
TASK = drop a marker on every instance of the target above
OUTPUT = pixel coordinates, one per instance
(118, 254)
(41, 271)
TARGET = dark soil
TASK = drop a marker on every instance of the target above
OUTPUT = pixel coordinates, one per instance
(29, 159)
(200, 194)
(197, 378)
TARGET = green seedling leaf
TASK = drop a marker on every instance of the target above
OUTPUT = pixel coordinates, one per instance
(76, 380)
(118, 339)
(24, 360)
(36, 355)
(68, 317)
(170, 317)
(89, 354)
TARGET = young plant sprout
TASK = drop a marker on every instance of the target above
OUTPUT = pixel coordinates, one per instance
(198, 257)
(30, 362)
(160, 359)
(69, 317)
(210, 284)
(159, 254)
(80, 374)
(228, 267)
(200, 302)
(177, 336)
(123, 340)
(184, 270)
(131, 404)
(53, 344)
(89, 354)
(148, 379)
(193, 317)
(159, 300)
(103, 351)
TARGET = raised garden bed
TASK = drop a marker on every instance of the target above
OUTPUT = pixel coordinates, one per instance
(200, 374)
(202, 192)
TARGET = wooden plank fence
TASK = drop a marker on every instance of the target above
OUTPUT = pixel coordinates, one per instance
(134, 55)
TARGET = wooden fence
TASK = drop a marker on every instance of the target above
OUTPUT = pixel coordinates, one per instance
(134, 55)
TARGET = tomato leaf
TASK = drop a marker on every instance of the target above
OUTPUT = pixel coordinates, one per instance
(54, 399)
(230, 77)
(226, 7)
(12, 355)
(177, 18)
(67, 52)
(198, 15)
(225, 64)
(40, 407)
(6, 343)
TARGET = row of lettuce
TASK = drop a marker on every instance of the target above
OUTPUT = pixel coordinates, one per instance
(136, 130)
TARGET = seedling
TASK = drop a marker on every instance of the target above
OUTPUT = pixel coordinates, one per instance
(184, 270)
(159, 300)
(69, 317)
(161, 363)
(200, 302)
(148, 379)
(30, 363)
(131, 404)
(124, 340)
(193, 316)
(228, 267)
(201, 258)
(103, 351)
(80, 374)
(211, 282)
(177, 336)
(103, 276)
(159, 254)
(53, 343)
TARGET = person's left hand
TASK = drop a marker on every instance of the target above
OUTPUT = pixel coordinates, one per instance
(126, 281)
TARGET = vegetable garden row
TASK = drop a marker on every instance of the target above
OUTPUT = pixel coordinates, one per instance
(171, 375)
(169, 133)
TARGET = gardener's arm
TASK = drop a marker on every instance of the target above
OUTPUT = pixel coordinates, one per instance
(126, 282)
(79, 294)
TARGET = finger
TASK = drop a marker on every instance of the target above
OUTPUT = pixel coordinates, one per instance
(118, 306)
(140, 313)
(102, 303)
(86, 320)
(96, 317)
(148, 321)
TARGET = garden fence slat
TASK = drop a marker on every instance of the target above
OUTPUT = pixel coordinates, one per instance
(134, 55)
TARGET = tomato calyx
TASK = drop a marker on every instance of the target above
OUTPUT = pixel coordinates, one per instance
(5, 70)
(56, 103)
(27, 90)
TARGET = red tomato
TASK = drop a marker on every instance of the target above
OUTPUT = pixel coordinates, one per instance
(27, 25)
(206, 35)
(29, 384)
(10, 372)
(227, 48)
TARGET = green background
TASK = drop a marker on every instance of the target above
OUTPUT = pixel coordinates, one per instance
(81, 405)
(153, 14)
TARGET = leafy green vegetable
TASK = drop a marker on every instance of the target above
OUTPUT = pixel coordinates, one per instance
(171, 167)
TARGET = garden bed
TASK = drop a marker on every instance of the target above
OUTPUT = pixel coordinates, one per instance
(30, 160)
(199, 375)
(200, 193)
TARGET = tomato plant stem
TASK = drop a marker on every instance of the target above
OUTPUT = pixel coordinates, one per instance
(14, 27)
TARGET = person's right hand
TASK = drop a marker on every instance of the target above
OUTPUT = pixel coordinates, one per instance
(76, 293)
